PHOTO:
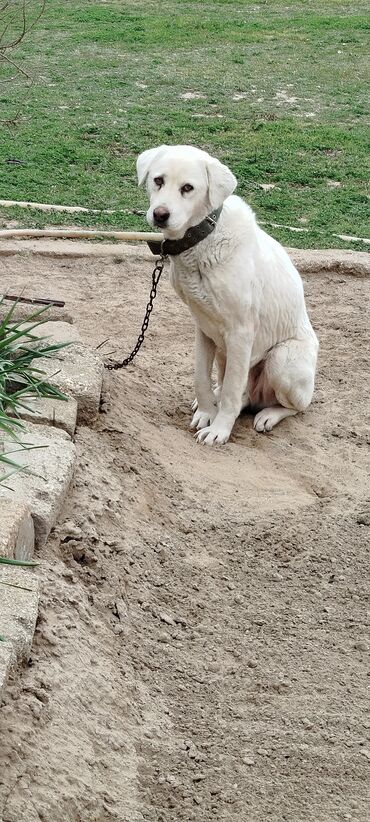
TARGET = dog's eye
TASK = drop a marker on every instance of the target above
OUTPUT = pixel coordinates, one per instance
(186, 188)
(159, 181)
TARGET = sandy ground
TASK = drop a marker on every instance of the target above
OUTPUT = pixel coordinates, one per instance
(201, 647)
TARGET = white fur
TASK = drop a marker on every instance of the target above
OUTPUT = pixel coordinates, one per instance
(244, 293)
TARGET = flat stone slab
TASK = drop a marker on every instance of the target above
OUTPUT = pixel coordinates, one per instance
(74, 249)
(17, 533)
(56, 413)
(59, 332)
(44, 485)
(19, 597)
(338, 261)
(78, 372)
(332, 261)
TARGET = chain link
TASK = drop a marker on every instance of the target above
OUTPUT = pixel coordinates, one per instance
(113, 365)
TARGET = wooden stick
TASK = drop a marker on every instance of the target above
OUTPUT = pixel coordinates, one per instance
(78, 234)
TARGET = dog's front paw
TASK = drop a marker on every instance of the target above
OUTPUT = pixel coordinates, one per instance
(213, 434)
(203, 418)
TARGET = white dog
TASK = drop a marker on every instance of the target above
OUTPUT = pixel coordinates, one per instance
(242, 289)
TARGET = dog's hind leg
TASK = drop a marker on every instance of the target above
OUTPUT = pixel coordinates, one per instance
(290, 373)
(266, 419)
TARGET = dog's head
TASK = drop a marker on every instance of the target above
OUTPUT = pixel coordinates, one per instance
(184, 184)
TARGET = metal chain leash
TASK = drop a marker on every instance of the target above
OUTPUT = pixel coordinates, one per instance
(158, 268)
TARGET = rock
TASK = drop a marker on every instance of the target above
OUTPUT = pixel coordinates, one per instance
(78, 372)
(56, 413)
(44, 485)
(59, 332)
(334, 261)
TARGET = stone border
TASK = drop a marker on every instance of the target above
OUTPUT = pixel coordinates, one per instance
(308, 261)
(31, 501)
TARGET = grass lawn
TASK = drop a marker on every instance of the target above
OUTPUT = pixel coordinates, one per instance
(277, 90)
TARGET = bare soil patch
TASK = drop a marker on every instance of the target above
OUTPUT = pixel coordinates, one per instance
(201, 647)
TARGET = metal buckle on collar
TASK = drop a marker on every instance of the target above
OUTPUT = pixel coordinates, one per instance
(211, 219)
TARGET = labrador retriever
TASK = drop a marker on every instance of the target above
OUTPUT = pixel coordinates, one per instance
(243, 291)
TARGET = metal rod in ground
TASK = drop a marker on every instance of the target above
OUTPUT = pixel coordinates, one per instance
(31, 301)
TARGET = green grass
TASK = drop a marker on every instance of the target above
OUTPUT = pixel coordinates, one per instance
(281, 97)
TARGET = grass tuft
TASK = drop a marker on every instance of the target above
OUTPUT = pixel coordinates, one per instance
(20, 379)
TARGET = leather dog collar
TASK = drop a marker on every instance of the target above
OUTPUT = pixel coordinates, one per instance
(192, 237)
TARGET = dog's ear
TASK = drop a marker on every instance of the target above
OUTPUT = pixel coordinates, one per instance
(221, 182)
(145, 160)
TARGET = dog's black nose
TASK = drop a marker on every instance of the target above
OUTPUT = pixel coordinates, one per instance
(161, 215)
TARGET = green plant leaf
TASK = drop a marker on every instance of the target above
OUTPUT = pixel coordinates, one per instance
(26, 563)
(20, 379)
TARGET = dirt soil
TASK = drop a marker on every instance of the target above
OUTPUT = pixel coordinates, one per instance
(201, 651)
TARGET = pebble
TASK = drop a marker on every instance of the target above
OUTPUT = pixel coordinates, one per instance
(307, 724)
(173, 781)
(363, 519)
(121, 609)
(361, 646)
(193, 753)
(167, 619)
(36, 709)
(162, 637)
(69, 576)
